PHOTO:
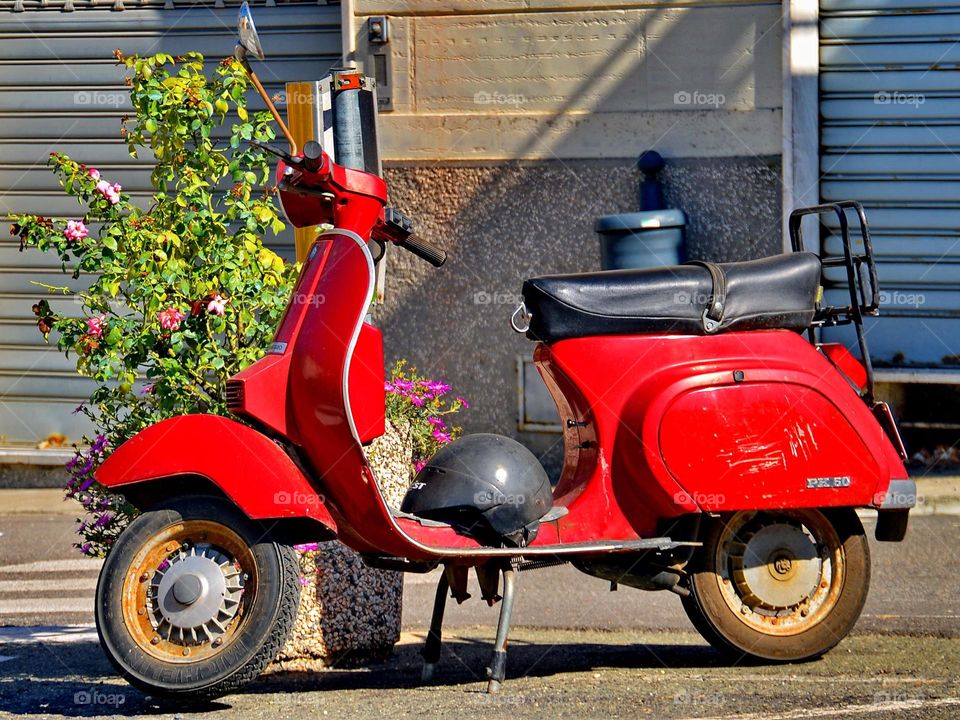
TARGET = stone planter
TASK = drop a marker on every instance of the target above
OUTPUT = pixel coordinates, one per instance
(348, 611)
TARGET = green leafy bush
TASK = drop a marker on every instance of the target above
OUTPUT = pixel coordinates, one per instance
(176, 294)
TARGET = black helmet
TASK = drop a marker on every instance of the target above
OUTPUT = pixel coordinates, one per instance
(487, 486)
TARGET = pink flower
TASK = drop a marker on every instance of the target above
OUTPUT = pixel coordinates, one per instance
(110, 192)
(76, 230)
(170, 318)
(416, 400)
(418, 465)
(463, 402)
(217, 306)
(95, 326)
(94, 173)
(441, 437)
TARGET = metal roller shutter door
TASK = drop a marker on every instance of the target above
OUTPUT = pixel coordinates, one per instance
(890, 137)
(60, 88)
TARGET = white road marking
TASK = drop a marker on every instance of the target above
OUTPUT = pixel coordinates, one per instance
(45, 606)
(48, 634)
(77, 564)
(5, 658)
(53, 585)
(847, 711)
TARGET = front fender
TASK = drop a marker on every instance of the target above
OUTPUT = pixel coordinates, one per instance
(247, 466)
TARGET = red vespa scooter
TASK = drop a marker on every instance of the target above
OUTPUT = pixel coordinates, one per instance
(713, 448)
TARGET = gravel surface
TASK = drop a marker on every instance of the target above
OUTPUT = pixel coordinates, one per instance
(551, 673)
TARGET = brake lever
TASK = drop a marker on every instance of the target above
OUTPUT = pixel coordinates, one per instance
(278, 152)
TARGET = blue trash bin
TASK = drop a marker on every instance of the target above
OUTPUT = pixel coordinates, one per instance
(651, 238)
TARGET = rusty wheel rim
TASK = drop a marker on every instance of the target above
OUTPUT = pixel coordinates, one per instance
(188, 591)
(780, 573)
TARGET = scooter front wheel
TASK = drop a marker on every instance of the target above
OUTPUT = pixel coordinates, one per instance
(194, 601)
(783, 585)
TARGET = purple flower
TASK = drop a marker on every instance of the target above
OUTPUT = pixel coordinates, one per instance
(438, 387)
(103, 520)
(79, 408)
(416, 400)
(99, 444)
(441, 437)
(85, 548)
(86, 484)
(307, 547)
(418, 465)
(463, 401)
(303, 581)
(435, 421)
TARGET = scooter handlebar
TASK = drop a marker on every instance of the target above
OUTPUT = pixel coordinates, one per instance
(424, 250)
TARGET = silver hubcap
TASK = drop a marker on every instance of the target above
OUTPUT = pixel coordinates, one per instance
(194, 595)
(779, 567)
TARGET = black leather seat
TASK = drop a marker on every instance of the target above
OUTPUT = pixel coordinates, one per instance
(774, 292)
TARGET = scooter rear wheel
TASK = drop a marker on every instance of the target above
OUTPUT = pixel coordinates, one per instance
(781, 586)
(194, 600)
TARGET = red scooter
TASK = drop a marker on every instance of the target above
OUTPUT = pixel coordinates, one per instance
(713, 448)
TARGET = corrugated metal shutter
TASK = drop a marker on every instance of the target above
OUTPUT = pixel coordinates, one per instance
(890, 136)
(60, 88)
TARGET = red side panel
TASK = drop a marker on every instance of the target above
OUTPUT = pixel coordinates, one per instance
(248, 467)
(762, 444)
(667, 425)
(365, 383)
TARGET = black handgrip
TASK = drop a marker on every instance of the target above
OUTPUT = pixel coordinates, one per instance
(424, 250)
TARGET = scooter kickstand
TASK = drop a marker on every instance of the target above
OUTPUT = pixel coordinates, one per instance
(498, 665)
(431, 650)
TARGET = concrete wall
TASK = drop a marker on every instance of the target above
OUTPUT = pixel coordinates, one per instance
(506, 133)
(469, 80)
(502, 223)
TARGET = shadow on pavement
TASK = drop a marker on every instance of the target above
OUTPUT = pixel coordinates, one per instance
(75, 680)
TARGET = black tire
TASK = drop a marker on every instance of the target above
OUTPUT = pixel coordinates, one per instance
(264, 615)
(748, 635)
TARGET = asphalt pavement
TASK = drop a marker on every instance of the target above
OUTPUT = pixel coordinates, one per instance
(578, 650)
